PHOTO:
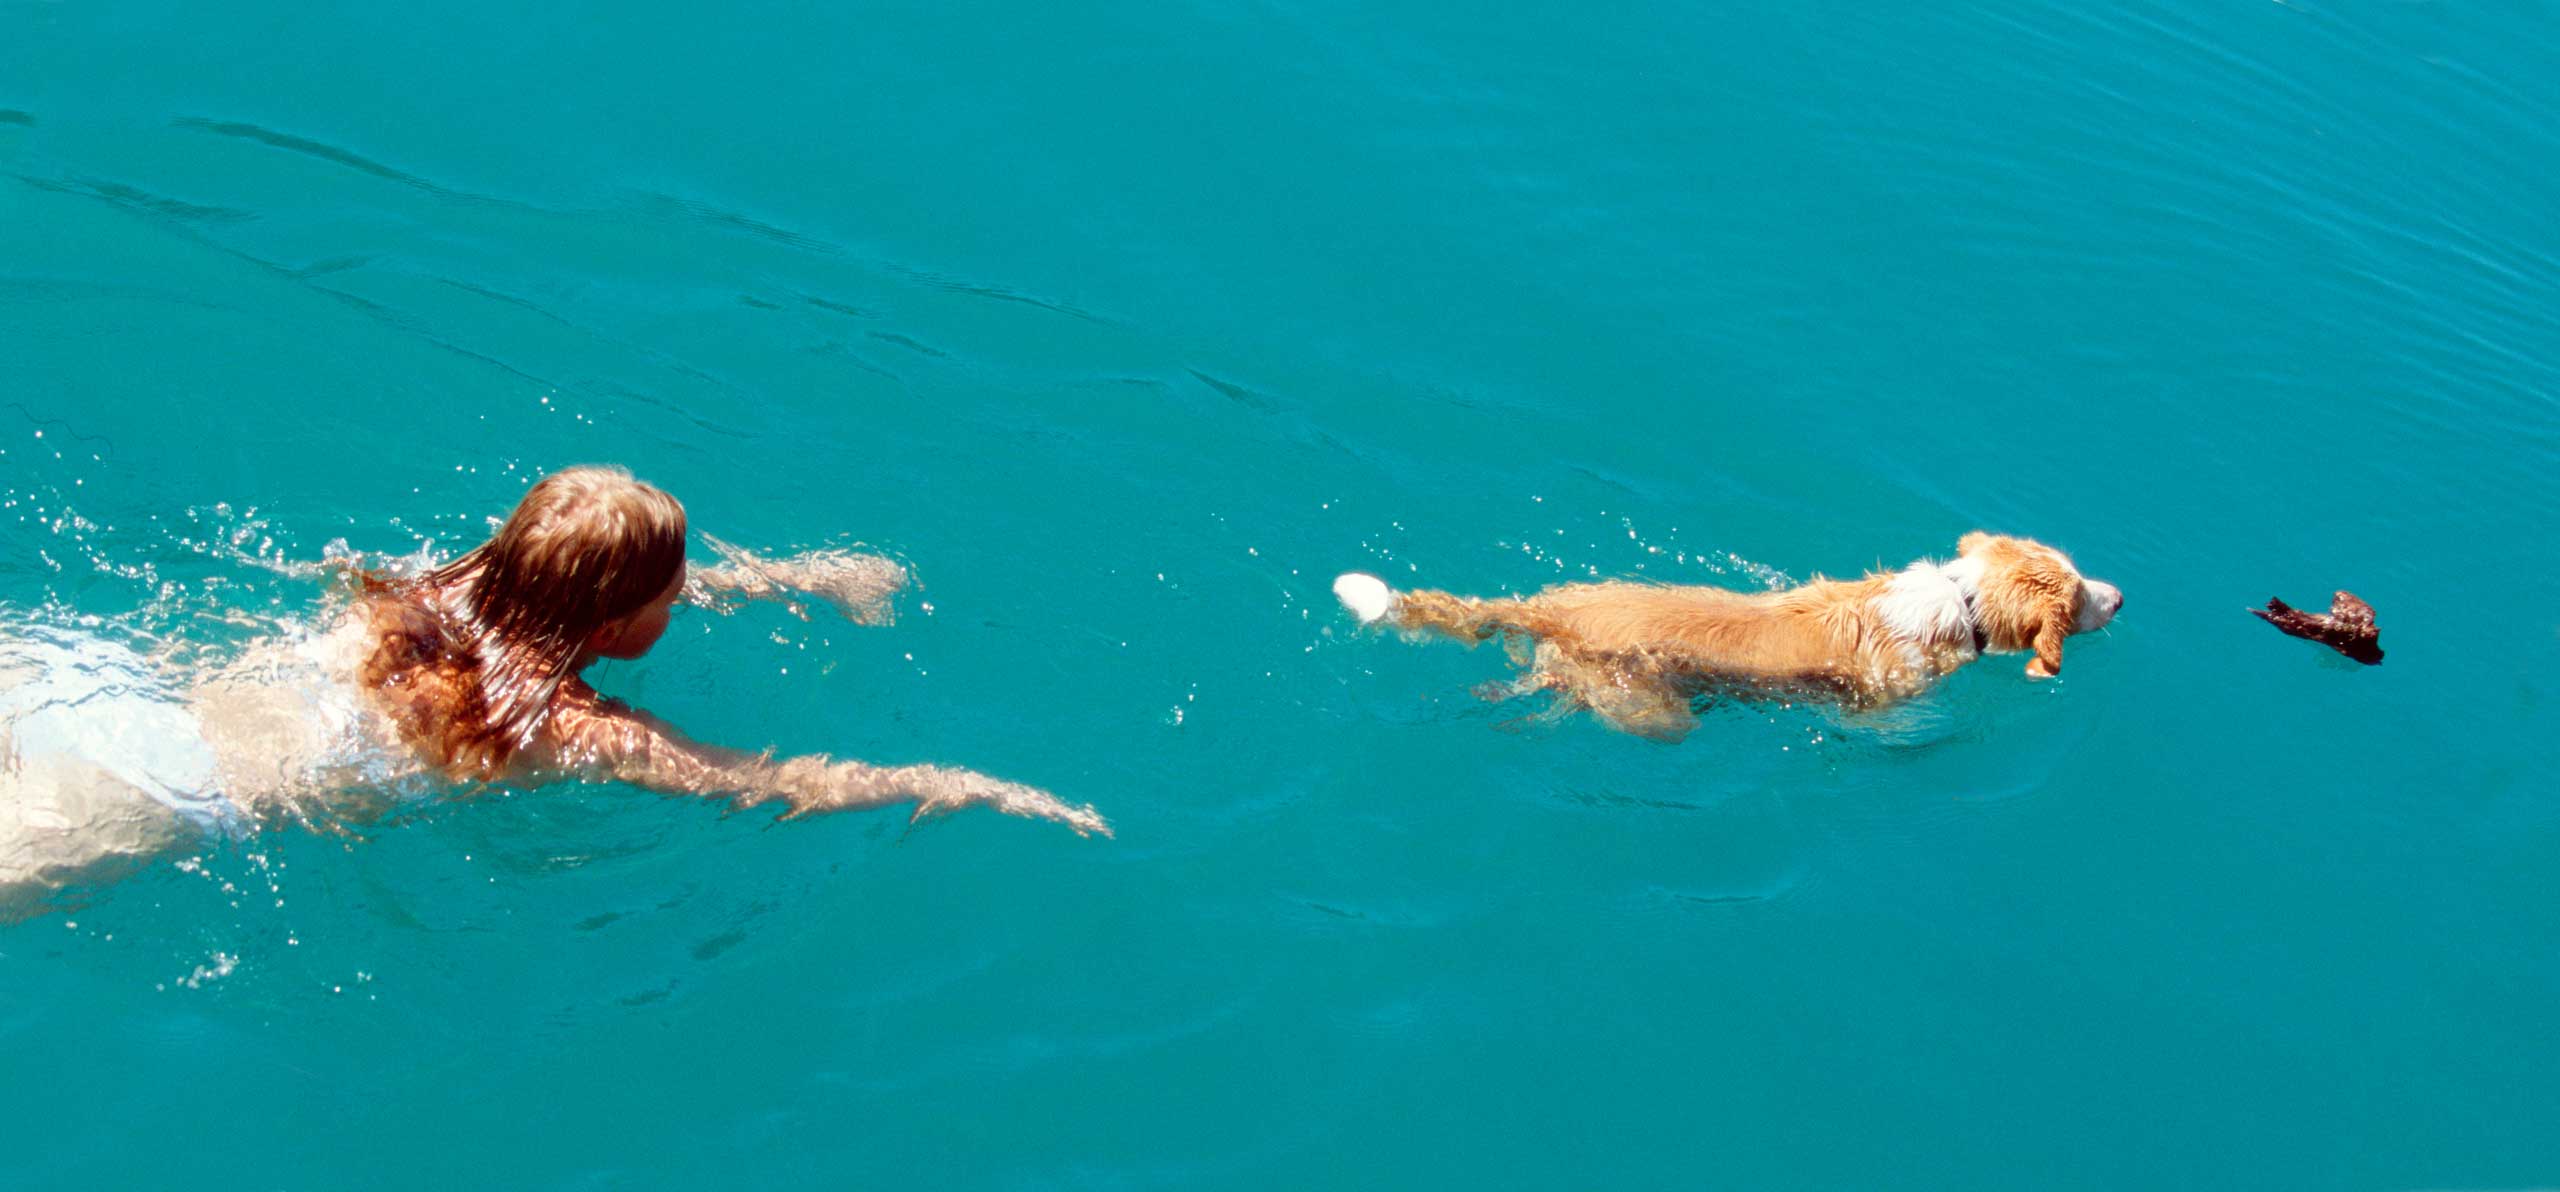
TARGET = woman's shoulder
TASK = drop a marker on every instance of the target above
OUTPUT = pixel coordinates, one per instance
(405, 630)
(419, 671)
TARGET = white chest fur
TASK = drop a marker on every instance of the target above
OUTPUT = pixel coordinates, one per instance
(1928, 602)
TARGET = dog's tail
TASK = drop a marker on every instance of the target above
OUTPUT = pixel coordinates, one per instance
(1465, 618)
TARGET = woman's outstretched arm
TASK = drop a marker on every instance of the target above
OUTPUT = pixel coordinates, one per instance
(860, 586)
(591, 737)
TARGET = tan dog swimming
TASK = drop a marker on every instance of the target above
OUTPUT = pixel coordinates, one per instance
(1641, 655)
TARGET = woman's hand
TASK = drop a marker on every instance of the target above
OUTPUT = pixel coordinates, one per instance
(593, 738)
(862, 587)
(942, 790)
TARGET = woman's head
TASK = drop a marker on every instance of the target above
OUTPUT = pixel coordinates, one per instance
(587, 566)
(586, 548)
(631, 635)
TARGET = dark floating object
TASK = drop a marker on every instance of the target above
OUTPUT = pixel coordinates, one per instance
(2347, 627)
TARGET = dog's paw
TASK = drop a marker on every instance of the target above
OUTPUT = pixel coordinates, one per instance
(1368, 597)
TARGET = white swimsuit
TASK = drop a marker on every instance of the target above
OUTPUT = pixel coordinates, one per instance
(69, 698)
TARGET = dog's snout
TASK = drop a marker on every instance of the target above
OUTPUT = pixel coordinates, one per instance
(2105, 601)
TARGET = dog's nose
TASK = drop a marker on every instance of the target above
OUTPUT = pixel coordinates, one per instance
(2105, 601)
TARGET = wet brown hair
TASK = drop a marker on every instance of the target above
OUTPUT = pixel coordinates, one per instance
(471, 680)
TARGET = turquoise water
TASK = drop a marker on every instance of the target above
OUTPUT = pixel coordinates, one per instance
(1127, 330)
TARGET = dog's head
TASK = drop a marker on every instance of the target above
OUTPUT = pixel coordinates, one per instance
(2028, 596)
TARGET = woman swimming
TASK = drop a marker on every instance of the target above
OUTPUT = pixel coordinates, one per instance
(469, 672)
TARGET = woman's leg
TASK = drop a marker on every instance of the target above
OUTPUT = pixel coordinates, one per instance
(66, 826)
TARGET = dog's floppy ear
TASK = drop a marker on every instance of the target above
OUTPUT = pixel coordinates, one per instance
(2052, 625)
